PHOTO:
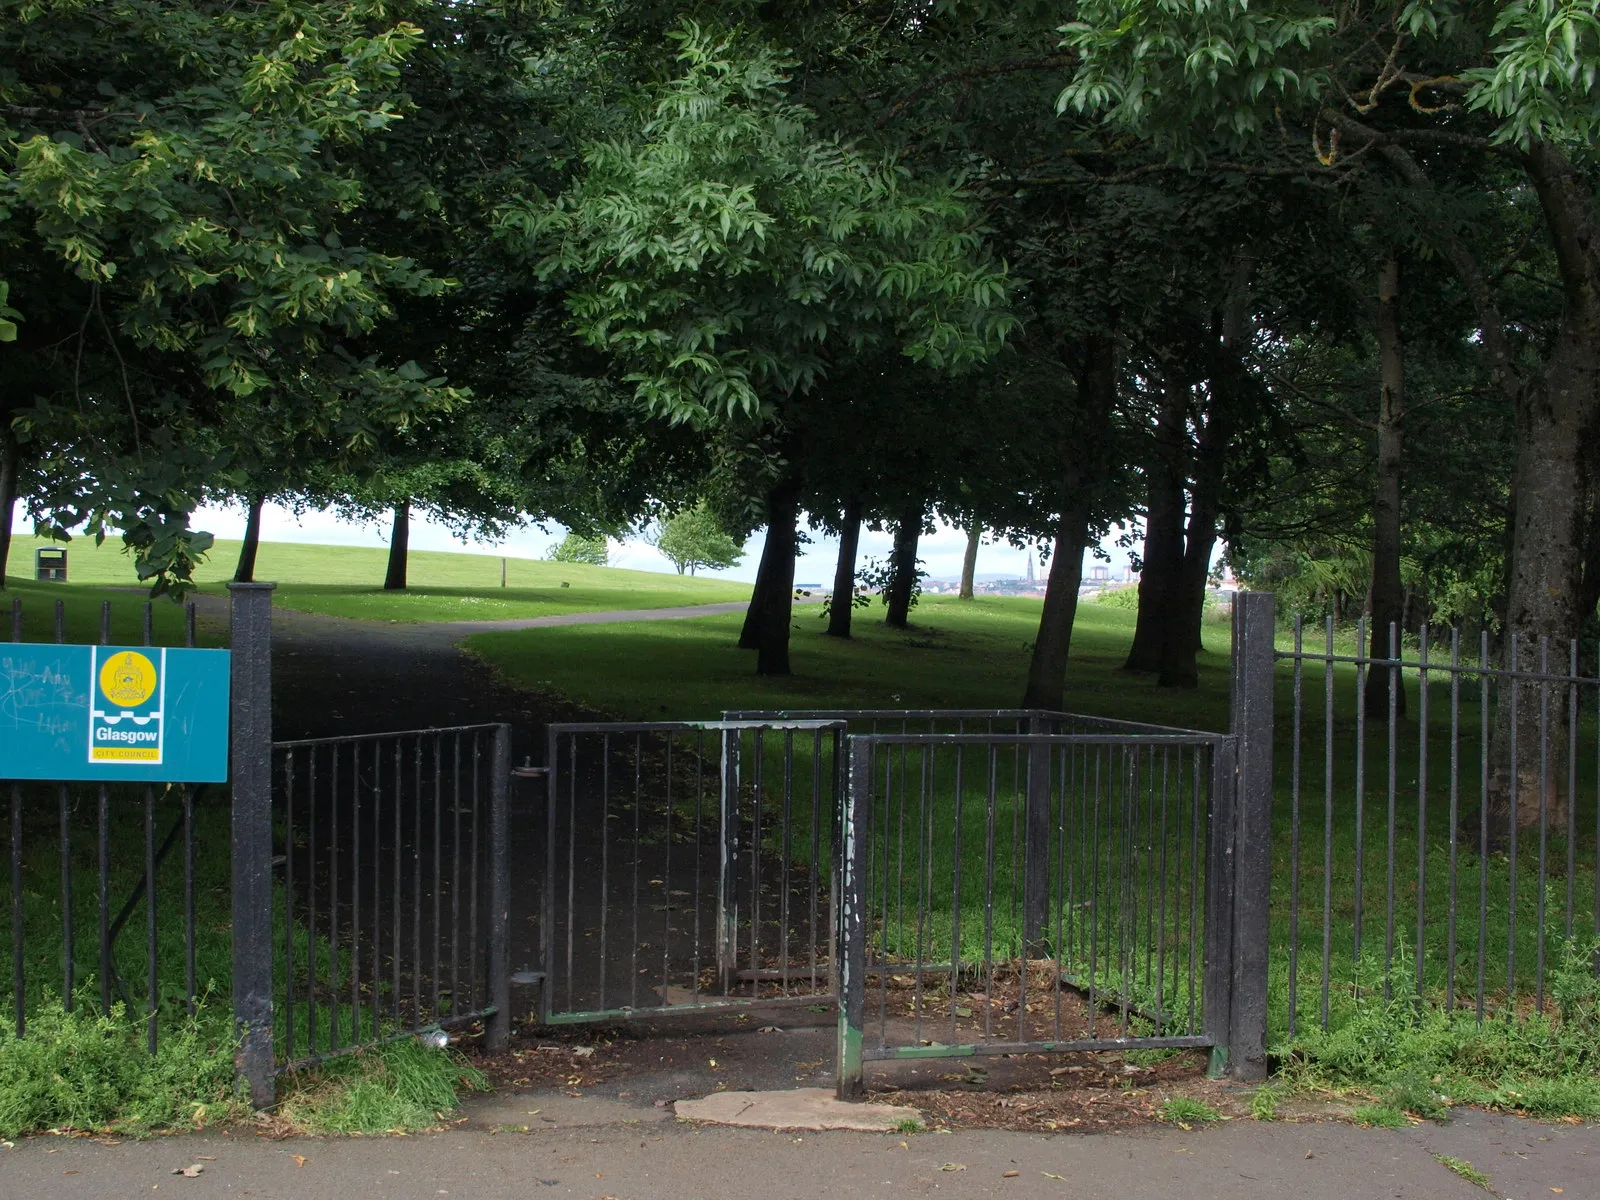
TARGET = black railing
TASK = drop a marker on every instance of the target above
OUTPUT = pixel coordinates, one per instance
(1440, 830)
(91, 862)
(392, 854)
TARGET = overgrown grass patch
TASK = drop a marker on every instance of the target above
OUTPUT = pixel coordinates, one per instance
(86, 1070)
(399, 1087)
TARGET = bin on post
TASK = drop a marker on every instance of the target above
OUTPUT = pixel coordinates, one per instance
(50, 564)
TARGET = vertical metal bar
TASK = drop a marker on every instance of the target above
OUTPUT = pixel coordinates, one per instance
(19, 999)
(397, 916)
(251, 773)
(1389, 883)
(851, 951)
(355, 894)
(991, 801)
(1544, 821)
(572, 863)
(758, 741)
(1036, 847)
(1254, 622)
(783, 857)
(291, 756)
(1516, 798)
(68, 949)
(103, 888)
(955, 908)
(547, 906)
(456, 1007)
(1422, 803)
(605, 858)
(187, 797)
(333, 897)
(1221, 881)
(699, 815)
(497, 1033)
(1483, 815)
(476, 1000)
(638, 804)
(152, 993)
(1196, 810)
(1294, 835)
(1327, 819)
(1572, 785)
(1455, 819)
(728, 860)
(438, 863)
(815, 873)
(666, 880)
(1362, 661)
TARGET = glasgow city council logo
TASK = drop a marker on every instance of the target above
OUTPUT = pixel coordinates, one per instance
(125, 705)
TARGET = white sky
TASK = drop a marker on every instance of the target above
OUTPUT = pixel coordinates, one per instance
(940, 551)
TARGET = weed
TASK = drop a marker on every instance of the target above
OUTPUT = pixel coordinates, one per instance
(88, 1069)
(1185, 1112)
(1464, 1169)
(400, 1086)
(1264, 1104)
(909, 1125)
(1380, 1116)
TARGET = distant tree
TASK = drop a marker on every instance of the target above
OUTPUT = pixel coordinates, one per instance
(576, 548)
(695, 538)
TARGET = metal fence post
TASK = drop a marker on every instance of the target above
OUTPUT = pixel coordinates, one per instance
(1254, 628)
(1036, 847)
(728, 862)
(250, 620)
(497, 1033)
(850, 949)
(1217, 989)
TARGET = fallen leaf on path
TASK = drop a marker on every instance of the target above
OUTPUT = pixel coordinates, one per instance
(190, 1171)
(1047, 1175)
(300, 1160)
(952, 1166)
(1009, 1174)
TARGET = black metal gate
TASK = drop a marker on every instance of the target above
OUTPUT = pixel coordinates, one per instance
(688, 866)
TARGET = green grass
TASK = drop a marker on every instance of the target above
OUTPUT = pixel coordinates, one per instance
(1185, 1112)
(346, 581)
(1464, 1169)
(399, 1087)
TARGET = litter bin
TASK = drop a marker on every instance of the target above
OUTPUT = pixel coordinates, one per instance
(50, 564)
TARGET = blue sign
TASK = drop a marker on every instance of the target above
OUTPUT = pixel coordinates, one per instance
(144, 714)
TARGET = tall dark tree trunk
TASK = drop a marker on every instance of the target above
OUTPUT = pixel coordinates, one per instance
(1163, 531)
(399, 542)
(903, 559)
(777, 593)
(842, 604)
(969, 563)
(1228, 395)
(1387, 603)
(10, 465)
(750, 632)
(1097, 393)
(245, 572)
(1557, 418)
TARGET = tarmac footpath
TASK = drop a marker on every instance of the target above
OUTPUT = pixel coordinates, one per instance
(609, 1150)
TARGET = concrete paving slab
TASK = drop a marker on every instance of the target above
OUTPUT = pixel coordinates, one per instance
(795, 1108)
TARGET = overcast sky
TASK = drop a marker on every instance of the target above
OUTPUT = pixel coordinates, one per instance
(940, 551)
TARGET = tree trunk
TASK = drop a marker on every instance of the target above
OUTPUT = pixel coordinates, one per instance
(750, 632)
(1163, 532)
(969, 564)
(245, 572)
(777, 593)
(10, 462)
(907, 533)
(1556, 421)
(841, 606)
(1183, 644)
(1387, 598)
(399, 542)
(1047, 671)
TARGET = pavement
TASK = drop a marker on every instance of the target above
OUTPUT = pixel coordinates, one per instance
(609, 1151)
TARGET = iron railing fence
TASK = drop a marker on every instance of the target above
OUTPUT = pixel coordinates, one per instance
(1440, 833)
(393, 920)
(92, 862)
(688, 866)
(1006, 893)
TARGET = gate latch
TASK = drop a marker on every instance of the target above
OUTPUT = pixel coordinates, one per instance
(528, 771)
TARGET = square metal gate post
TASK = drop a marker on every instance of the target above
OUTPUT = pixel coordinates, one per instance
(250, 624)
(728, 862)
(850, 946)
(1217, 987)
(1036, 846)
(1254, 628)
(497, 1033)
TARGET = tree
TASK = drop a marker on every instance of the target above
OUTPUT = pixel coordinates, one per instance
(694, 539)
(576, 548)
(726, 254)
(176, 191)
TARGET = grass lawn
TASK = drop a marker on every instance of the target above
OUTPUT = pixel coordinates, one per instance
(960, 654)
(346, 581)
